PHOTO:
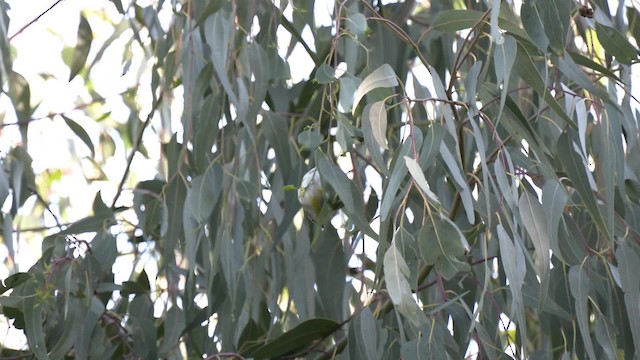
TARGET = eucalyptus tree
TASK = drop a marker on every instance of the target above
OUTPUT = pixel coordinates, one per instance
(473, 166)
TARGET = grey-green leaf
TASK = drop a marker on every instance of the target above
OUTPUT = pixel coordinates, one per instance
(81, 133)
(382, 77)
(579, 285)
(83, 46)
(535, 222)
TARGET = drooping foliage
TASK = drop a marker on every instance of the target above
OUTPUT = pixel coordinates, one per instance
(484, 156)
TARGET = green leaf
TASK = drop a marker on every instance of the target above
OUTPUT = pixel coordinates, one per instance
(455, 20)
(377, 119)
(204, 193)
(535, 222)
(569, 68)
(398, 174)
(579, 285)
(525, 67)
(396, 273)
(554, 199)
(33, 319)
(217, 29)
(382, 77)
(554, 14)
(606, 337)
(348, 86)
(82, 48)
(369, 334)
(515, 268)
(325, 74)
(95, 223)
(373, 141)
(310, 139)
(133, 287)
(173, 325)
(628, 265)
(586, 62)
(616, 44)
(71, 329)
(118, 5)
(20, 95)
(357, 24)
(347, 191)
(574, 166)
(81, 133)
(13, 281)
(297, 339)
(458, 177)
(418, 176)
(441, 243)
(503, 58)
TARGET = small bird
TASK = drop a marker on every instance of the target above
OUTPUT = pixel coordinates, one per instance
(311, 194)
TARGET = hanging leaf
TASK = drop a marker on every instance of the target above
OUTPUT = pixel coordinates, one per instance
(579, 285)
(396, 273)
(296, 339)
(535, 222)
(616, 44)
(82, 48)
(81, 133)
(378, 121)
(515, 268)
(418, 176)
(382, 77)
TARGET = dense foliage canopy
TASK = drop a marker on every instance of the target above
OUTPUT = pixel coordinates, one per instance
(479, 161)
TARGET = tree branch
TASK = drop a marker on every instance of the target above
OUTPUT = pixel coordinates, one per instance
(34, 20)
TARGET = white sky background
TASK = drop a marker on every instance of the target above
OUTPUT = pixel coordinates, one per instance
(38, 51)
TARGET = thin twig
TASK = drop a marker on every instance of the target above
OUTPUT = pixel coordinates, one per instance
(52, 115)
(34, 20)
(135, 149)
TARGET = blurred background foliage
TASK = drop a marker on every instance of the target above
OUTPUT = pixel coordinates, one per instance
(484, 155)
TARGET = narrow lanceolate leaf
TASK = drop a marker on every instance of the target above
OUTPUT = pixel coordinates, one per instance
(576, 171)
(396, 273)
(628, 265)
(515, 268)
(33, 316)
(217, 35)
(526, 68)
(382, 77)
(371, 140)
(463, 187)
(296, 339)
(348, 193)
(535, 222)
(378, 120)
(504, 56)
(579, 285)
(81, 133)
(204, 193)
(398, 174)
(554, 198)
(496, 35)
(83, 46)
(418, 176)
(616, 44)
